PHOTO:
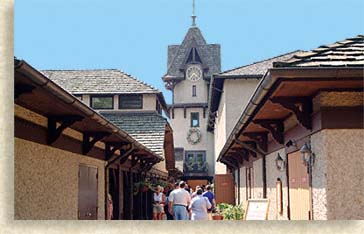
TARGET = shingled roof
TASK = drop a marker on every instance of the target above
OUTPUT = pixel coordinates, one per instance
(346, 53)
(177, 54)
(148, 128)
(256, 69)
(252, 71)
(100, 81)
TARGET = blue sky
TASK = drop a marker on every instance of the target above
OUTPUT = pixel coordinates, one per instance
(133, 35)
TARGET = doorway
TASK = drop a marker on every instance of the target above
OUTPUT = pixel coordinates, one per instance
(299, 188)
(87, 192)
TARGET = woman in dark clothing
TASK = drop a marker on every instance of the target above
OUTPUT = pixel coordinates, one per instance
(166, 211)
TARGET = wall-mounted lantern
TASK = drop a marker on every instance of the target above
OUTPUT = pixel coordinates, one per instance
(280, 163)
(308, 157)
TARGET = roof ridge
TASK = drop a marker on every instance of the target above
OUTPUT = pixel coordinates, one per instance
(141, 81)
(264, 60)
(92, 69)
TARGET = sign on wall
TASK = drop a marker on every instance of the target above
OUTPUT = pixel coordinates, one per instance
(257, 209)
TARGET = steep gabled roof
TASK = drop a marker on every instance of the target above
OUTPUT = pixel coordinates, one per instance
(100, 81)
(177, 54)
(257, 68)
(346, 53)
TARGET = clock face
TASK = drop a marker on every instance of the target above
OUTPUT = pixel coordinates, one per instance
(194, 72)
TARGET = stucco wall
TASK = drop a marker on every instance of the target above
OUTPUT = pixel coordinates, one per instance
(242, 188)
(272, 175)
(258, 179)
(181, 126)
(319, 174)
(183, 92)
(46, 182)
(220, 134)
(345, 173)
(239, 92)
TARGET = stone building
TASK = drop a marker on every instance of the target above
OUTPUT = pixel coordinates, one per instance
(299, 140)
(66, 154)
(189, 69)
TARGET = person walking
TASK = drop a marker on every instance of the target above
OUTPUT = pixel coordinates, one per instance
(166, 205)
(194, 194)
(158, 203)
(199, 206)
(211, 198)
(179, 200)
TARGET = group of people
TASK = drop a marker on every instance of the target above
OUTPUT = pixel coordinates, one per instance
(182, 203)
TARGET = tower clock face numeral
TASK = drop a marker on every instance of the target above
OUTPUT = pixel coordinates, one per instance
(194, 72)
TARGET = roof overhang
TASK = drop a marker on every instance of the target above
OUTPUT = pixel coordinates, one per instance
(269, 106)
(39, 94)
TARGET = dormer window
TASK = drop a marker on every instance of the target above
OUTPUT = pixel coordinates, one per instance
(193, 57)
(102, 102)
(131, 101)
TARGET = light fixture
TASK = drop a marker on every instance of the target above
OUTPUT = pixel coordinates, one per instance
(308, 157)
(291, 143)
(280, 163)
(130, 157)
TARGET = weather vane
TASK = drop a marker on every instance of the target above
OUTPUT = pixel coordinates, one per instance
(193, 13)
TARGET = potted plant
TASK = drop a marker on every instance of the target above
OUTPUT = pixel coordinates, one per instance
(142, 186)
(232, 212)
(226, 211)
(217, 213)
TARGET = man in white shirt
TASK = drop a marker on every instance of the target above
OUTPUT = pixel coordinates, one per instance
(179, 200)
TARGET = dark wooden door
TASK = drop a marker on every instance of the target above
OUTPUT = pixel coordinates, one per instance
(87, 193)
(224, 188)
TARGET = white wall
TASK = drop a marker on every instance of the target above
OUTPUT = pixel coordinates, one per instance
(183, 92)
(181, 126)
(234, 98)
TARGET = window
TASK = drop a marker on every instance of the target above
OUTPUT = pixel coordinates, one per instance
(131, 101)
(178, 154)
(195, 122)
(102, 102)
(194, 91)
(195, 161)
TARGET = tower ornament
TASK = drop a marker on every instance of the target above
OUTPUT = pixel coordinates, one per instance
(193, 14)
(194, 136)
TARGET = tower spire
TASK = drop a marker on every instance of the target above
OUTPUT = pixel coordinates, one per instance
(193, 14)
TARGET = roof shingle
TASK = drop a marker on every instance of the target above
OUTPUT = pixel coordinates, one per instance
(257, 68)
(148, 128)
(346, 53)
(99, 81)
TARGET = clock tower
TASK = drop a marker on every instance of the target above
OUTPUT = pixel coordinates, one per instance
(189, 69)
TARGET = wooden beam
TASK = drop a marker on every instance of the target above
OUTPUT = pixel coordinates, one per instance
(90, 139)
(65, 121)
(20, 89)
(249, 146)
(261, 138)
(110, 150)
(274, 126)
(300, 106)
(112, 147)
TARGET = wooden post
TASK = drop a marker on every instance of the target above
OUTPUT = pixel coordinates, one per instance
(131, 195)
